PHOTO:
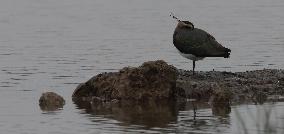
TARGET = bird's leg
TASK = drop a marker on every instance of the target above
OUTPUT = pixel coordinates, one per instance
(193, 63)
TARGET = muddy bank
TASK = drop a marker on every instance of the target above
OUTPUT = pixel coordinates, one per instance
(257, 86)
(156, 80)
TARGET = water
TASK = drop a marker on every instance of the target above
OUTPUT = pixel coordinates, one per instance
(52, 45)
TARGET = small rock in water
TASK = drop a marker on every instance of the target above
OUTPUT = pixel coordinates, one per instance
(50, 101)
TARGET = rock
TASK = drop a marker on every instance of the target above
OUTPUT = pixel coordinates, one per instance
(156, 80)
(195, 90)
(153, 80)
(50, 101)
(221, 96)
(250, 86)
(220, 100)
(82, 90)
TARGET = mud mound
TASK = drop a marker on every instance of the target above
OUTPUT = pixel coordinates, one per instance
(153, 80)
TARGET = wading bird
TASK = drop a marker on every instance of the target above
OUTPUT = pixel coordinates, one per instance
(196, 44)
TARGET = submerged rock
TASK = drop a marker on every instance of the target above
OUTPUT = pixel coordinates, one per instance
(153, 80)
(50, 101)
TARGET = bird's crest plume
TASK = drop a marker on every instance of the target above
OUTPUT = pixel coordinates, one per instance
(174, 17)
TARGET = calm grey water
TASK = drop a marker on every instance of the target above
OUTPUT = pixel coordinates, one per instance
(52, 45)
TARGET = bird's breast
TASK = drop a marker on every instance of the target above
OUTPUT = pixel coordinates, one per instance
(191, 56)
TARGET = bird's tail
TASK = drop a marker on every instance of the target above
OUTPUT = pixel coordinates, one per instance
(227, 53)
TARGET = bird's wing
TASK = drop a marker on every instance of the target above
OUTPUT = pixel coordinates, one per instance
(198, 43)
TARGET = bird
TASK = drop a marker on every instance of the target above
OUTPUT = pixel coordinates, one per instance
(196, 44)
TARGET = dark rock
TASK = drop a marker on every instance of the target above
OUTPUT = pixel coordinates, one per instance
(153, 80)
(82, 90)
(50, 101)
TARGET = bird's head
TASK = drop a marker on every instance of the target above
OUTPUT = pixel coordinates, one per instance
(185, 24)
(182, 24)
